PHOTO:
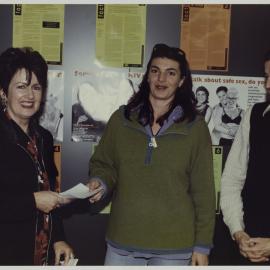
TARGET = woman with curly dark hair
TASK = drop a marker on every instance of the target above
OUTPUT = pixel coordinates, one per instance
(155, 156)
(30, 229)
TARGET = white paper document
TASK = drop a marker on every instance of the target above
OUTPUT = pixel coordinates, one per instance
(72, 261)
(80, 191)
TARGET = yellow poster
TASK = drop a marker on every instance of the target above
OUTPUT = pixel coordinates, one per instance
(40, 27)
(205, 36)
(217, 164)
(57, 160)
(120, 35)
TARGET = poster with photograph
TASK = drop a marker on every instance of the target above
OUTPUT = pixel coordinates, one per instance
(95, 96)
(53, 111)
(222, 100)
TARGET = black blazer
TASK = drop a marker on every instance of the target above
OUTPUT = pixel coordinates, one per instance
(18, 182)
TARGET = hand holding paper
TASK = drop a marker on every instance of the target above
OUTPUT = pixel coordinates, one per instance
(97, 189)
(80, 191)
(71, 262)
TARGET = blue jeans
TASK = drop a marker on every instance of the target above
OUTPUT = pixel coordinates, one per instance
(113, 258)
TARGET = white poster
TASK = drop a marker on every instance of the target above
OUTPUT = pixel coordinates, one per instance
(96, 95)
(223, 101)
(53, 112)
(135, 78)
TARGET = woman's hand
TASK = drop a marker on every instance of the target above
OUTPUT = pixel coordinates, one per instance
(63, 200)
(199, 259)
(93, 185)
(46, 201)
(242, 239)
(62, 248)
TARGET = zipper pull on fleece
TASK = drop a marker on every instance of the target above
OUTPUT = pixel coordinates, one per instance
(153, 142)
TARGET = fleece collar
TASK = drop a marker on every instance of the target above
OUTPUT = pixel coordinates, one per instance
(170, 127)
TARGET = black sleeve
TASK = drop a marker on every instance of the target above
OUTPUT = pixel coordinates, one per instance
(58, 233)
(17, 202)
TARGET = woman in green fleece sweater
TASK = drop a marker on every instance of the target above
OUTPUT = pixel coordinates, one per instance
(155, 156)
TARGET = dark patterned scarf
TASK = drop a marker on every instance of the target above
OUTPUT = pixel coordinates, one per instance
(43, 220)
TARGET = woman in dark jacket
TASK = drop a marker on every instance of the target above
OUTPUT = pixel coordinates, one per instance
(30, 228)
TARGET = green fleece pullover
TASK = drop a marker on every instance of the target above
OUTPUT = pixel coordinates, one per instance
(167, 203)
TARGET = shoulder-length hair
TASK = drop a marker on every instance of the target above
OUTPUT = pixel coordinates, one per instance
(184, 95)
(203, 89)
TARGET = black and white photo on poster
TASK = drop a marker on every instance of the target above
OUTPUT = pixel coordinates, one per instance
(222, 100)
(53, 110)
(95, 96)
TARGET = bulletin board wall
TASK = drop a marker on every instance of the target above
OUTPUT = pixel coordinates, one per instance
(85, 228)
